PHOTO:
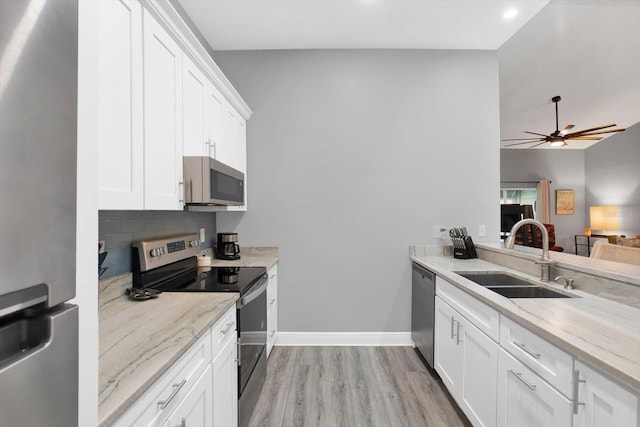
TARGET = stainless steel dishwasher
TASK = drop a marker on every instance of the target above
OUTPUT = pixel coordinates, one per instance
(423, 293)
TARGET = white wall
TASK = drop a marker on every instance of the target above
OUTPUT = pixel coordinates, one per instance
(352, 157)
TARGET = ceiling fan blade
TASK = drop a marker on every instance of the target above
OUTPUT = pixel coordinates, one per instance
(521, 139)
(539, 134)
(601, 132)
(591, 129)
(534, 146)
(522, 143)
(585, 138)
(566, 128)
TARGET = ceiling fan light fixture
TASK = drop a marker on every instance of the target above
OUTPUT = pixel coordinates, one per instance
(558, 143)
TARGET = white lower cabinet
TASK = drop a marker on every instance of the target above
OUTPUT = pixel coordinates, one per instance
(196, 409)
(225, 380)
(467, 361)
(602, 402)
(199, 390)
(526, 400)
(272, 308)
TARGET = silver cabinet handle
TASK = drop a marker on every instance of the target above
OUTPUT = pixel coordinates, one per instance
(183, 423)
(273, 301)
(518, 375)
(458, 340)
(272, 333)
(272, 276)
(452, 322)
(526, 350)
(229, 325)
(576, 387)
(176, 388)
(239, 351)
(181, 193)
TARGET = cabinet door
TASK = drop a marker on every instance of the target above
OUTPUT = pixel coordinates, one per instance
(525, 399)
(479, 373)
(448, 358)
(215, 117)
(163, 113)
(603, 402)
(225, 385)
(120, 118)
(194, 107)
(195, 410)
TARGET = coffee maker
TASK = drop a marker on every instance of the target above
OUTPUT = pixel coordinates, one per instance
(227, 246)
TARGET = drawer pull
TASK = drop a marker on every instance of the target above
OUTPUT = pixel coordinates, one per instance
(458, 340)
(518, 375)
(176, 388)
(452, 322)
(229, 325)
(272, 276)
(576, 387)
(183, 423)
(273, 301)
(272, 333)
(526, 350)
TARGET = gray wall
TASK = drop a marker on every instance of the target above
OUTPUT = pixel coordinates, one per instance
(120, 228)
(613, 176)
(565, 168)
(352, 157)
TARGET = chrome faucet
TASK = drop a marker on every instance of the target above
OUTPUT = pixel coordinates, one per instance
(545, 262)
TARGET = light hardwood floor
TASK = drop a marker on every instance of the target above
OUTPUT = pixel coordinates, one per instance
(351, 386)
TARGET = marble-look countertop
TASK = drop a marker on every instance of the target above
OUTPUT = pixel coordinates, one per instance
(139, 340)
(604, 333)
(250, 257)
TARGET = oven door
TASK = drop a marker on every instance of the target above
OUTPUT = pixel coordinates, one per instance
(252, 329)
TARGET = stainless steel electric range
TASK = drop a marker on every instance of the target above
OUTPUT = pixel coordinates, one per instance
(170, 265)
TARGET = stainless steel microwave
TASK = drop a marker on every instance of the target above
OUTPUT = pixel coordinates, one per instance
(208, 182)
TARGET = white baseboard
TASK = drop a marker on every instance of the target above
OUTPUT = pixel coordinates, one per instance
(383, 339)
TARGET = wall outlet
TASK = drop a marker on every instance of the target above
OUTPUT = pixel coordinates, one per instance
(482, 230)
(438, 231)
(202, 235)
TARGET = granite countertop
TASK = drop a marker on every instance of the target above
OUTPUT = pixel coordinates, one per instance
(139, 340)
(251, 257)
(604, 333)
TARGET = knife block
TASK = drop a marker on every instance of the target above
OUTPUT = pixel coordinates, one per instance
(463, 248)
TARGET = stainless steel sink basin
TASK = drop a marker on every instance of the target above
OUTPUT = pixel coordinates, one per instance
(495, 279)
(511, 286)
(527, 292)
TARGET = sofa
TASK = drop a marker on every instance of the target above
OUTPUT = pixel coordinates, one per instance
(619, 253)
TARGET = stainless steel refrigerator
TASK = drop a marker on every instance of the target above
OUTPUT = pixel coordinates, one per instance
(38, 103)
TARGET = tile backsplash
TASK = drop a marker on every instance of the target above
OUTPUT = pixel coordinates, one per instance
(120, 228)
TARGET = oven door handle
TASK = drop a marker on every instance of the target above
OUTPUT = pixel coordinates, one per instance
(257, 289)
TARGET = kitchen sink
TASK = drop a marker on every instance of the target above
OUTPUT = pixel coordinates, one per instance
(527, 292)
(495, 279)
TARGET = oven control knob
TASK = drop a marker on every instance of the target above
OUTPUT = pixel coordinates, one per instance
(163, 251)
(153, 252)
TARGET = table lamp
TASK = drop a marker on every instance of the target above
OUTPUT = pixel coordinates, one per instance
(604, 218)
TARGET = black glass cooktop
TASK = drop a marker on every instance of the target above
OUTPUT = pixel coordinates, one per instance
(185, 276)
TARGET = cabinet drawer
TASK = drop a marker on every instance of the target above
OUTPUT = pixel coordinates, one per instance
(225, 328)
(162, 397)
(544, 358)
(481, 315)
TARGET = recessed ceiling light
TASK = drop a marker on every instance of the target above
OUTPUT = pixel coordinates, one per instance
(510, 14)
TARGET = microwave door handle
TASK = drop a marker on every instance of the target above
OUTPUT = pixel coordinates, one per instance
(254, 293)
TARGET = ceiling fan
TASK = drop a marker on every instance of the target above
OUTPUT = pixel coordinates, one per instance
(559, 138)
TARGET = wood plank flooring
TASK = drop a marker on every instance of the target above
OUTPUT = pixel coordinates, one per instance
(352, 386)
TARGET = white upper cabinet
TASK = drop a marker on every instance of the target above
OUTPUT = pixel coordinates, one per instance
(119, 99)
(195, 129)
(159, 96)
(163, 187)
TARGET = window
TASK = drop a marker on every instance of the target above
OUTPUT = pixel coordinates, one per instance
(520, 196)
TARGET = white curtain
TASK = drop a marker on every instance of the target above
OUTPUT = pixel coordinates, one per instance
(543, 202)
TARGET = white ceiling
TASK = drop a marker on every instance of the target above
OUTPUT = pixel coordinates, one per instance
(586, 51)
(358, 24)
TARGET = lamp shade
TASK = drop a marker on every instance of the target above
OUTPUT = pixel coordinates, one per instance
(604, 218)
